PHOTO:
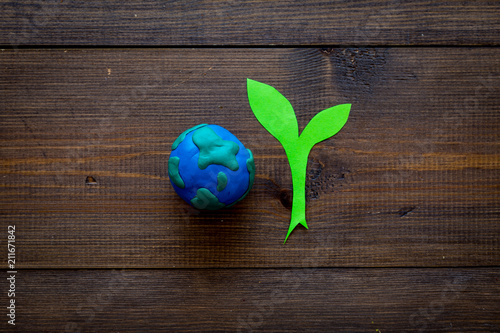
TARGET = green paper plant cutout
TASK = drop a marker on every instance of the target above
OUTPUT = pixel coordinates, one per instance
(276, 114)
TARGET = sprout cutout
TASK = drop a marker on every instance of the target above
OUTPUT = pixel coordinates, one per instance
(276, 114)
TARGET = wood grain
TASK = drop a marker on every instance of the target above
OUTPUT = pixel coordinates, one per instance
(260, 300)
(256, 22)
(412, 179)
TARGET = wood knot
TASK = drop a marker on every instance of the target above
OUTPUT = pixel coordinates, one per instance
(285, 196)
(90, 180)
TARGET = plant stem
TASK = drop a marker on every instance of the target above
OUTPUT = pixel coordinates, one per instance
(297, 158)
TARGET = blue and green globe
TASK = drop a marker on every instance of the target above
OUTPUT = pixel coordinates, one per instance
(210, 168)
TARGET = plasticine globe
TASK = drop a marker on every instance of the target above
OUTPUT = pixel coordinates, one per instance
(210, 168)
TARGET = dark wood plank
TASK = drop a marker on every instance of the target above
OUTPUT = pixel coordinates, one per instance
(256, 22)
(412, 179)
(256, 300)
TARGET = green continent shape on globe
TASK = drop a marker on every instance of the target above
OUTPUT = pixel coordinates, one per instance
(251, 170)
(221, 181)
(173, 171)
(215, 150)
(181, 137)
(204, 199)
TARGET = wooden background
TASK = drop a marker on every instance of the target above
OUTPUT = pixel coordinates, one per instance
(403, 204)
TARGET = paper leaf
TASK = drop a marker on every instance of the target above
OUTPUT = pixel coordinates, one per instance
(325, 124)
(273, 111)
(276, 114)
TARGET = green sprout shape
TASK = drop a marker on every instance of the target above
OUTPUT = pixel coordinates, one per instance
(276, 114)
